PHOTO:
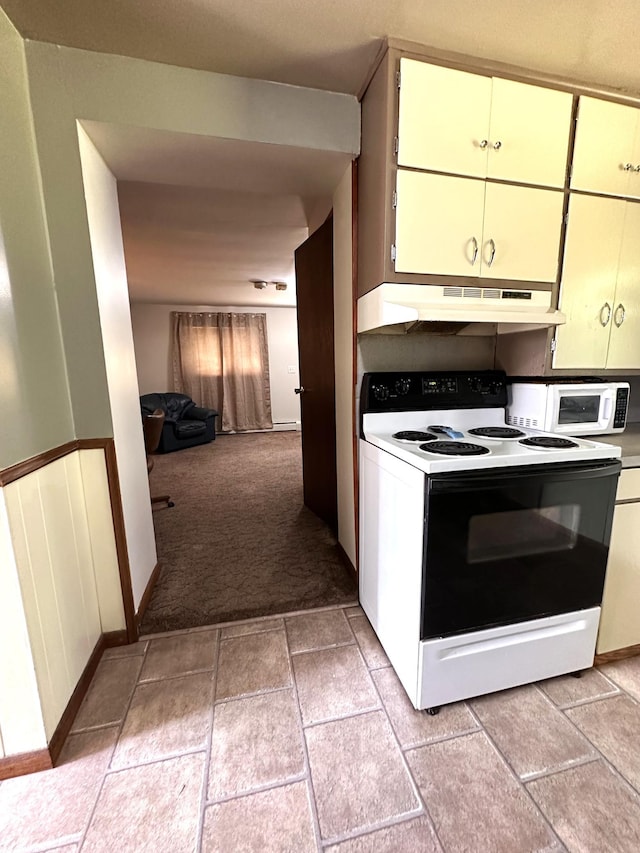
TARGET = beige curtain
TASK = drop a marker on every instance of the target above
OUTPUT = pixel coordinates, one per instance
(221, 361)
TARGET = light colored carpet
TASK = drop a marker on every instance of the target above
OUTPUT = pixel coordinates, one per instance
(239, 542)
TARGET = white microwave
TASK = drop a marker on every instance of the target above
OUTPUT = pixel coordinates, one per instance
(586, 406)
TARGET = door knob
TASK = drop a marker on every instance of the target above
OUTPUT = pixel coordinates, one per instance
(299, 390)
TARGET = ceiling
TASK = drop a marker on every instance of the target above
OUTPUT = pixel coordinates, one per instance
(327, 44)
(330, 44)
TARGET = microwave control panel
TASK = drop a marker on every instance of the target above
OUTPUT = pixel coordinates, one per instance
(622, 403)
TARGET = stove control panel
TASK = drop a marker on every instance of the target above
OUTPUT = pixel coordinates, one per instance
(416, 390)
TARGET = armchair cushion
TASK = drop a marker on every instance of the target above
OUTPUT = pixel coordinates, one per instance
(185, 423)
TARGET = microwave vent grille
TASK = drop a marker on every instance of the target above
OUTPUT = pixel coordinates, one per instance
(490, 293)
(472, 293)
(452, 291)
(530, 423)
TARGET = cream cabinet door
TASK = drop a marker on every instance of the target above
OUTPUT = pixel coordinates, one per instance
(619, 620)
(603, 157)
(444, 118)
(438, 224)
(624, 340)
(588, 283)
(521, 233)
(529, 133)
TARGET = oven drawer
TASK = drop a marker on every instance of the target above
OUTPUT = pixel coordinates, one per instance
(454, 668)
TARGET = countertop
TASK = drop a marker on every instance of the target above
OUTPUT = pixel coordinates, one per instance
(629, 441)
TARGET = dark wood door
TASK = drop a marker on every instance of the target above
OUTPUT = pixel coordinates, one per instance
(314, 288)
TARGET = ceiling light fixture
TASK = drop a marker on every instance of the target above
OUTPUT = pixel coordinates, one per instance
(280, 285)
(259, 284)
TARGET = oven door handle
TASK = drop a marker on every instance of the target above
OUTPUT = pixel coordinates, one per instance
(477, 480)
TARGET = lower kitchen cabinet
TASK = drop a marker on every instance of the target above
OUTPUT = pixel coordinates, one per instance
(620, 620)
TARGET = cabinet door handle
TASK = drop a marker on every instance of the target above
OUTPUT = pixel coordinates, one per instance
(628, 167)
(492, 254)
(497, 145)
(604, 322)
(483, 143)
(617, 314)
(475, 250)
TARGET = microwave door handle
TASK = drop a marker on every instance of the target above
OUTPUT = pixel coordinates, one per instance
(606, 409)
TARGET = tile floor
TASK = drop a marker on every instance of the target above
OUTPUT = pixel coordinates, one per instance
(293, 734)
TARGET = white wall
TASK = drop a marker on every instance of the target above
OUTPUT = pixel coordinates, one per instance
(101, 196)
(343, 347)
(151, 338)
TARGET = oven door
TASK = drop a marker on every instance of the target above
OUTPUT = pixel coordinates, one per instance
(509, 545)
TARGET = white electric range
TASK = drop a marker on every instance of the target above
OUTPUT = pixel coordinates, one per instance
(483, 548)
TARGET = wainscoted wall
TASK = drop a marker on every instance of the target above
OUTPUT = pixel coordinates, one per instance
(60, 594)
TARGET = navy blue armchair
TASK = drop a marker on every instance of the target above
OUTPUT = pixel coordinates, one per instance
(185, 424)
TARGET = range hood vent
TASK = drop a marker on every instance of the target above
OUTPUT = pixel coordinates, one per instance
(405, 308)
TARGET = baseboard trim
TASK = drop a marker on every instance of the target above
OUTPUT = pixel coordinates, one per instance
(24, 763)
(347, 562)
(618, 654)
(146, 596)
(107, 640)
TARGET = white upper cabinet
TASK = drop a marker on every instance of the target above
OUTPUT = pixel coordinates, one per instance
(466, 227)
(468, 124)
(599, 287)
(606, 158)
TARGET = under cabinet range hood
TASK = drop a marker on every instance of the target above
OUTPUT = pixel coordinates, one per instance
(401, 308)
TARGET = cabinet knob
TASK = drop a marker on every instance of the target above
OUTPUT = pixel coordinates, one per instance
(497, 145)
(628, 167)
(474, 256)
(603, 320)
(637, 168)
(619, 314)
(492, 253)
(483, 143)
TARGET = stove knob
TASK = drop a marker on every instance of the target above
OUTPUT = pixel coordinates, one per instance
(403, 385)
(381, 392)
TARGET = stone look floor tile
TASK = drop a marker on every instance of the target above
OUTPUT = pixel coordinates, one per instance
(275, 821)
(255, 627)
(166, 718)
(530, 732)
(318, 630)
(108, 697)
(474, 800)
(412, 727)
(372, 651)
(353, 611)
(155, 807)
(625, 673)
(358, 775)
(68, 848)
(590, 808)
(613, 725)
(130, 650)
(413, 836)
(567, 690)
(332, 683)
(55, 805)
(256, 742)
(252, 664)
(180, 655)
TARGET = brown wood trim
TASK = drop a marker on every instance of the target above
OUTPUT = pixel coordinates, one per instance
(355, 429)
(347, 562)
(618, 654)
(146, 597)
(105, 641)
(25, 762)
(121, 540)
(93, 443)
(28, 466)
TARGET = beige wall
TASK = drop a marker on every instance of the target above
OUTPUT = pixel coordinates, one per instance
(107, 251)
(34, 397)
(343, 346)
(151, 337)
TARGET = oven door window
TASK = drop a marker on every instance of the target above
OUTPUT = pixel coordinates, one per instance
(503, 547)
